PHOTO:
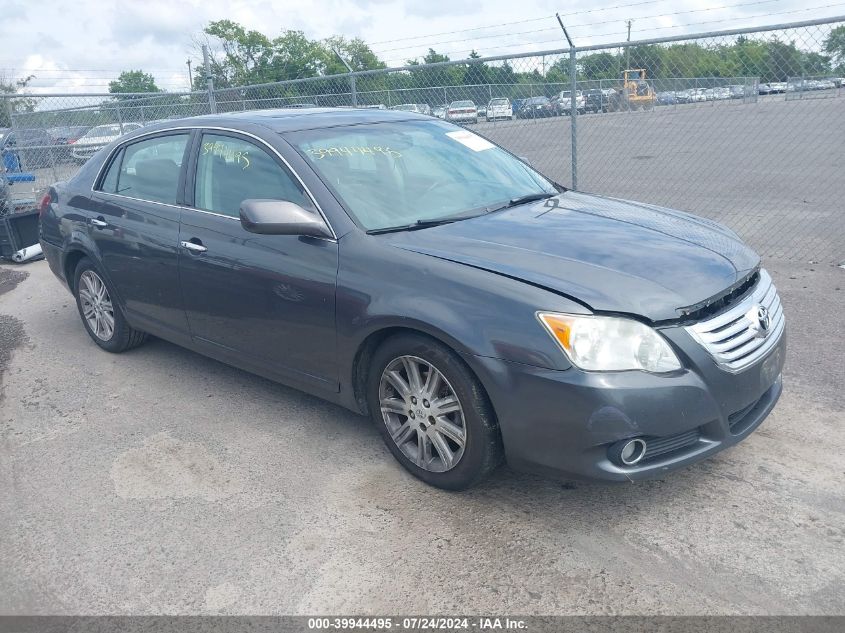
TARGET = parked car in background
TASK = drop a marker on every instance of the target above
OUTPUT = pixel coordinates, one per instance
(482, 111)
(563, 102)
(300, 105)
(722, 93)
(764, 89)
(536, 108)
(499, 108)
(419, 108)
(595, 101)
(440, 111)
(666, 98)
(462, 112)
(739, 92)
(98, 137)
(683, 96)
(64, 137)
(28, 148)
(475, 310)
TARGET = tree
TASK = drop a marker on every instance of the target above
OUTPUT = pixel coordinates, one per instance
(834, 45)
(10, 106)
(356, 52)
(133, 81)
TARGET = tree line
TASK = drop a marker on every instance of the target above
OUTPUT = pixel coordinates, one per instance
(241, 58)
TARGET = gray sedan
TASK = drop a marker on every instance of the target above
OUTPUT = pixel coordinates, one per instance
(417, 273)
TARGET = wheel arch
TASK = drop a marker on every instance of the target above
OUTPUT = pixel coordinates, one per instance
(74, 255)
(373, 340)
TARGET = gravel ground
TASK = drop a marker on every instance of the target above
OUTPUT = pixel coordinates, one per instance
(162, 482)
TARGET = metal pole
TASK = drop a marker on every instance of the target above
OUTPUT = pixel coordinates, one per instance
(628, 48)
(190, 77)
(573, 115)
(212, 104)
(351, 79)
(573, 103)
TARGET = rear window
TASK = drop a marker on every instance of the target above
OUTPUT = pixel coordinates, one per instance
(149, 169)
(463, 104)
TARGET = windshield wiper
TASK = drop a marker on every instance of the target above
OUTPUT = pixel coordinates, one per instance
(424, 224)
(515, 202)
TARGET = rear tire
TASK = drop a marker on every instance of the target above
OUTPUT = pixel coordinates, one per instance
(100, 313)
(436, 418)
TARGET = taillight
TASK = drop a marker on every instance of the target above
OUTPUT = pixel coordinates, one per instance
(71, 141)
(44, 205)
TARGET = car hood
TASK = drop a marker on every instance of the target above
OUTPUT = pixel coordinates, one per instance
(610, 255)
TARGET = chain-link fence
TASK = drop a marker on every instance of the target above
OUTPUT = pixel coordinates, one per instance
(746, 127)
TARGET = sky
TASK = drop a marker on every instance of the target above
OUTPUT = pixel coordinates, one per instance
(80, 46)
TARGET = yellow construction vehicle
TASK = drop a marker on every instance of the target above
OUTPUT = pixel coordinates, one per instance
(635, 93)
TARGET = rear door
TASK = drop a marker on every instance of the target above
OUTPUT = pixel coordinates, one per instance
(266, 302)
(135, 228)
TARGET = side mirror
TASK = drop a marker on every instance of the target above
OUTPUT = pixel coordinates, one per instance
(280, 217)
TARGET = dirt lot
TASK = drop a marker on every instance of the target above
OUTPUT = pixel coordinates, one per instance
(162, 482)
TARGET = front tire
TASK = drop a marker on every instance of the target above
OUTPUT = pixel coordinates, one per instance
(432, 412)
(101, 315)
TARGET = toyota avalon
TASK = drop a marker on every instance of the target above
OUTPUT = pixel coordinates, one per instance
(417, 273)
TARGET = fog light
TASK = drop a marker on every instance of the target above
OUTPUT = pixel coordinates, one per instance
(627, 452)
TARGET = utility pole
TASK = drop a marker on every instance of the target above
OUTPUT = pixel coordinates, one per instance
(190, 77)
(628, 48)
(351, 79)
(209, 78)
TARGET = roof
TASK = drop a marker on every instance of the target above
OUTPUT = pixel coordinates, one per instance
(292, 119)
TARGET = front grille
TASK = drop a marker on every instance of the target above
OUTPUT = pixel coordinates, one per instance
(655, 447)
(734, 338)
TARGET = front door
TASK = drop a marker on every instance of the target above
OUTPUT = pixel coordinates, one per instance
(267, 301)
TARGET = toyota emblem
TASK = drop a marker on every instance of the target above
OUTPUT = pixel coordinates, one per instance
(760, 321)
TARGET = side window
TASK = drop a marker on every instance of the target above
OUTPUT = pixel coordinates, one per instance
(231, 170)
(150, 169)
(109, 182)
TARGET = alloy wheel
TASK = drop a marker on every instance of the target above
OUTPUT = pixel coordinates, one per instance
(423, 414)
(97, 308)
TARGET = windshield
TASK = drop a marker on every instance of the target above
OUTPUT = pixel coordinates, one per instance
(396, 174)
(499, 102)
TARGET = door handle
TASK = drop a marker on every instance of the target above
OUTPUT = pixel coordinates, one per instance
(194, 247)
(99, 223)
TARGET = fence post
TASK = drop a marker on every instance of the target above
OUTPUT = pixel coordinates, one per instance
(212, 104)
(573, 114)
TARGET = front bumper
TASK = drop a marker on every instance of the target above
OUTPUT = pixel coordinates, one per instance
(562, 423)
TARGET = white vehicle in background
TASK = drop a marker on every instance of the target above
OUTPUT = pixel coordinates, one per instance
(419, 108)
(499, 108)
(462, 112)
(98, 137)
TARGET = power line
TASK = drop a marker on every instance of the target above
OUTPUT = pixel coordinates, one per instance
(555, 28)
(398, 61)
(545, 17)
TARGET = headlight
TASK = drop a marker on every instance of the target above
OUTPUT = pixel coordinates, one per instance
(600, 343)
